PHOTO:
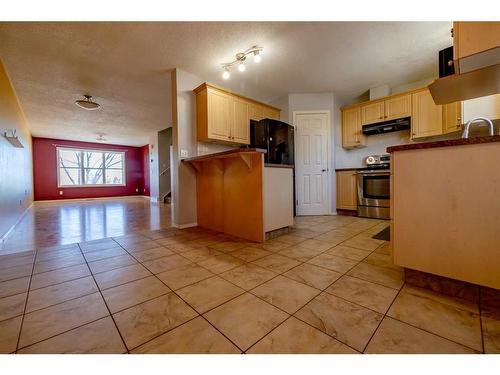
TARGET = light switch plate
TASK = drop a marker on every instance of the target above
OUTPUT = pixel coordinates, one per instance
(184, 153)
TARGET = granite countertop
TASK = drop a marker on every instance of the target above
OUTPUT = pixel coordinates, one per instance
(226, 154)
(445, 143)
(346, 169)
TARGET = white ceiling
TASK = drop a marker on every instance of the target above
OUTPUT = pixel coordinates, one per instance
(126, 66)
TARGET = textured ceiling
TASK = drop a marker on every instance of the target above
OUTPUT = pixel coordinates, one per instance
(126, 66)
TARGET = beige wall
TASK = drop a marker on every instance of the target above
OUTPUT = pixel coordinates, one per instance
(16, 173)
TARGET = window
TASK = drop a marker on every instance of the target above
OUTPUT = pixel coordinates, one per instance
(78, 167)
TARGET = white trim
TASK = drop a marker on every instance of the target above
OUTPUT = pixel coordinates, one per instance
(92, 198)
(184, 226)
(328, 150)
(103, 151)
(4, 236)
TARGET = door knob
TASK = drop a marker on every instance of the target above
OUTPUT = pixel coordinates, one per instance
(323, 170)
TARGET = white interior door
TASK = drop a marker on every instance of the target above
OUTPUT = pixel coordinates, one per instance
(311, 162)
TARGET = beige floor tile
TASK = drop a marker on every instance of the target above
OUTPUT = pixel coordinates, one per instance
(363, 242)
(183, 247)
(382, 260)
(151, 254)
(248, 276)
(424, 311)
(194, 337)
(333, 237)
(8, 262)
(48, 322)
(12, 306)
(345, 321)
(183, 276)
(245, 319)
(312, 275)
(296, 337)
(54, 294)
(301, 254)
(209, 293)
(15, 272)
(491, 333)
(166, 263)
(15, 286)
(58, 276)
(9, 332)
(48, 255)
(201, 254)
(291, 239)
(141, 246)
(143, 322)
(315, 245)
(277, 263)
(249, 254)
(227, 246)
(221, 263)
(111, 263)
(135, 292)
(53, 264)
(395, 337)
(374, 296)
(99, 337)
(333, 262)
(459, 303)
(385, 248)
(348, 252)
(92, 256)
(98, 245)
(273, 246)
(379, 275)
(287, 294)
(118, 276)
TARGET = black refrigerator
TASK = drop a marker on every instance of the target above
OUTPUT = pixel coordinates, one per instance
(276, 137)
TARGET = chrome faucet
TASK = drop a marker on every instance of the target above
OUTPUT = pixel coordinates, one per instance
(465, 134)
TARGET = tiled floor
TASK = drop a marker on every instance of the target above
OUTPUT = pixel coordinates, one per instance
(327, 287)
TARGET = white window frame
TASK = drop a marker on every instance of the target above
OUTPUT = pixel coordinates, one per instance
(103, 185)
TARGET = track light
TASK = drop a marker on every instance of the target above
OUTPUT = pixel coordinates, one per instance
(240, 59)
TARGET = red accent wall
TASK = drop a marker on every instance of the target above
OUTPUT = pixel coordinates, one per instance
(145, 161)
(45, 171)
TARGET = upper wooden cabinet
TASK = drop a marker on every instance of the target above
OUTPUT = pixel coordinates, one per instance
(426, 116)
(470, 38)
(223, 116)
(384, 110)
(452, 117)
(351, 128)
(372, 113)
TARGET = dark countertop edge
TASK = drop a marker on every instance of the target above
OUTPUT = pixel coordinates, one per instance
(346, 169)
(226, 154)
(445, 143)
(279, 166)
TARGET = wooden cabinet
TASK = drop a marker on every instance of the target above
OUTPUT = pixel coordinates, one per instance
(470, 38)
(452, 117)
(372, 113)
(351, 128)
(397, 107)
(347, 195)
(224, 117)
(426, 117)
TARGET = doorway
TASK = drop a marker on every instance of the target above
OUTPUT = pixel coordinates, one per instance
(312, 164)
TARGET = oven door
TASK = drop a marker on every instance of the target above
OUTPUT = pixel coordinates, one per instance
(374, 188)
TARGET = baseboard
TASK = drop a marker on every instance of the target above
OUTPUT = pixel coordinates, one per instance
(4, 236)
(184, 226)
(346, 212)
(92, 199)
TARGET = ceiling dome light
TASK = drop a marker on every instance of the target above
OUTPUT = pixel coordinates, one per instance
(242, 67)
(101, 138)
(226, 74)
(257, 58)
(87, 103)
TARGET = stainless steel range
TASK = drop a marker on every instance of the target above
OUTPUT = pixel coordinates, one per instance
(374, 187)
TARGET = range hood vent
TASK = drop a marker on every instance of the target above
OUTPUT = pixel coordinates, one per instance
(387, 126)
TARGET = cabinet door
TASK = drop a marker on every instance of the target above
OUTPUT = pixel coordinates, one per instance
(351, 128)
(372, 113)
(271, 113)
(426, 116)
(256, 112)
(240, 124)
(218, 115)
(347, 196)
(452, 117)
(397, 107)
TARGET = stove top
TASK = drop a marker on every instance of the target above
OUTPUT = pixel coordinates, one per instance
(375, 167)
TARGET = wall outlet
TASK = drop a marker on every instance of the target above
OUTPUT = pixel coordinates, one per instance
(184, 153)
(61, 192)
(136, 190)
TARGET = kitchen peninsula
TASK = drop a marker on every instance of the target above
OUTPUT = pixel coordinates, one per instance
(239, 195)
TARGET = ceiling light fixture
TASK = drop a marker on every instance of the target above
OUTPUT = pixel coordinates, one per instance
(87, 103)
(101, 138)
(240, 59)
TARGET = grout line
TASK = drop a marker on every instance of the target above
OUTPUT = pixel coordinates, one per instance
(104, 300)
(26, 302)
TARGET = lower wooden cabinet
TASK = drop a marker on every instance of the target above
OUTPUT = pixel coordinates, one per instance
(347, 194)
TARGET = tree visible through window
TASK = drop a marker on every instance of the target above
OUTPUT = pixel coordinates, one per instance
(90, 167)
